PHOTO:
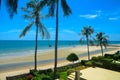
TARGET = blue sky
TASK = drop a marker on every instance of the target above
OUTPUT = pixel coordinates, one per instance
(102, 15)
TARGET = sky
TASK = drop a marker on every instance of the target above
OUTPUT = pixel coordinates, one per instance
(101, 15)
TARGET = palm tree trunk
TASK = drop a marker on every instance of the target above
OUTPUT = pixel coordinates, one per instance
(101, 48)
(56, 41)
(36, 46)
(88, 48)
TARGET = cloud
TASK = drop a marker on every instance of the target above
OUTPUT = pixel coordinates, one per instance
(89, 16)
(69, 31)
(14, 31)
(51, 29)
(66, 34)
(11, 31)
(113, 18)
(99, 11)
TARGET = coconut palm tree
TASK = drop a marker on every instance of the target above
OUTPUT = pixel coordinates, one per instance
(87, 31)
(32, 10)
(53, 4)
(102, 40)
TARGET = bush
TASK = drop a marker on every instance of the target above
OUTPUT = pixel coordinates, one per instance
(117, 53)
(52, 75)
(95, 59)
(97, 64)
(83, 62)
(70, 71)
(108, 55)
(99, 58)
(106, 60)
(72, 57)
(34, 72)
(47, 71)
(89, 63)
(116, 57)
(46, 78)
(64, 68)
(22, 79)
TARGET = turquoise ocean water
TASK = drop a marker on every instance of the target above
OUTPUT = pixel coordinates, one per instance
(10, 48)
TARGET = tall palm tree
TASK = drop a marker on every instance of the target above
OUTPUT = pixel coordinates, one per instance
(87, 31)
(32, 10)
(54, 4)
(102, 40)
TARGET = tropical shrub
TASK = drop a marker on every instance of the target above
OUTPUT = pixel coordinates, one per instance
(64, 68)
(99, 58)
(116, 57)
(47, 71)
(83, 62)
(34, 72)
(72, 57)
(70, 71)
(108, 55)
(88, 63)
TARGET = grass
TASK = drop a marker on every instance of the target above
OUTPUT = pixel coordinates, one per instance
(63, 76)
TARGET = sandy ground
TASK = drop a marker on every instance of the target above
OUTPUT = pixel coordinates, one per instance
(99, 74)
(62, 53)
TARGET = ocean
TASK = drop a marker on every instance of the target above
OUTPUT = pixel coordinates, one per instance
(11, 48)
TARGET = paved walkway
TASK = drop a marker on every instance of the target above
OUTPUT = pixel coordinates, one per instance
(99, 74)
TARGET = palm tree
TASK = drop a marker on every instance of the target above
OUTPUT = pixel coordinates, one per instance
(102, 40)
(32, 10)
(87, 31)
(67, 11)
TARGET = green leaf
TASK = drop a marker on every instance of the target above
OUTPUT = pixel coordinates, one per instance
(43, 31)
(26, 29)
(66, 9)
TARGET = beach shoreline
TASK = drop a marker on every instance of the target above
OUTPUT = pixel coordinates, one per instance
(26, 63)
(48, 56)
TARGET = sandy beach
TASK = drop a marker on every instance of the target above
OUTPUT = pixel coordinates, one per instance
(48, 57)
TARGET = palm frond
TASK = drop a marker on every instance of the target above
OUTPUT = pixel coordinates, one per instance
(43, 31)
(26, 29)
(91, 42)
(87, 30)
(25, 10)
(90, 30)
(102, 39)
(51, 5)
(66, 9)
(42, 3)
(31, 4)
(12, 6)
(25, 16)
(82, 40)
(0, 3)
(105, 43)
